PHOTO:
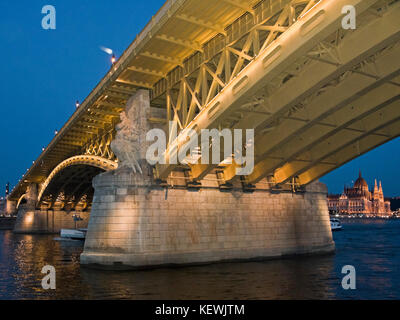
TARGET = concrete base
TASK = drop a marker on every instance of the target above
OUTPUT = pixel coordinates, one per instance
(42, 222)
(136, 224)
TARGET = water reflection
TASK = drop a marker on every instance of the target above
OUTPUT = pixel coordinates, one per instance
(287, 279)
(371, 246)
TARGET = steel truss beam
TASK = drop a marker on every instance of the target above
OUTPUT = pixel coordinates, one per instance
(100, 146)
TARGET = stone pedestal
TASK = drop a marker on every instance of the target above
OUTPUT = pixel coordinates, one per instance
(135, 224)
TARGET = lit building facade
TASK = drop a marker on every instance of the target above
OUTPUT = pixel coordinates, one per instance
(359, 200)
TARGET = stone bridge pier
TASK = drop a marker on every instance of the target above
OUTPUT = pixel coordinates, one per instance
(11, 207)
(31, 220)
(137, 222)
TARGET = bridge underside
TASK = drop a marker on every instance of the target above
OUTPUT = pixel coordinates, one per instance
(317, 97)
(64, 199)
(71, 189)
(64, 203)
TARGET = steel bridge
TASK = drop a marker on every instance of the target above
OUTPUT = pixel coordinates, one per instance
(316, 95)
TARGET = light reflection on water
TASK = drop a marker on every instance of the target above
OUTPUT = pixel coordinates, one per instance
(371, 246)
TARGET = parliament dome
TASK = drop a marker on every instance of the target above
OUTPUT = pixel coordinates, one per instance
(361, 183)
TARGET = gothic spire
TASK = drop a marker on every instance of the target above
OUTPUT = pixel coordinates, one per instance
(376, 190)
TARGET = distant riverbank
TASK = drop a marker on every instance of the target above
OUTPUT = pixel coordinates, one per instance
(364, 217)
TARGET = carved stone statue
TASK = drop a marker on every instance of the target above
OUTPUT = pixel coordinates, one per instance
(131, 132)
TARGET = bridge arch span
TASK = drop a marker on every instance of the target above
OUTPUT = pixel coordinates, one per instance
(72, 179)
(22, 198)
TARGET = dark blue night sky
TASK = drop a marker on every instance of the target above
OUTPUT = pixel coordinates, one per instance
(45, 72)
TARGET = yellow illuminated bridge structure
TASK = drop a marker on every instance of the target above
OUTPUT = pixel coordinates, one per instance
(316, 94)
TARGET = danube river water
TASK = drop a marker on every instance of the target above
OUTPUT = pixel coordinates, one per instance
(371, 246)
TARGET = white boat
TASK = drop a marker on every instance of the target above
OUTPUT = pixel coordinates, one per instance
(336, 225)
(75, 234)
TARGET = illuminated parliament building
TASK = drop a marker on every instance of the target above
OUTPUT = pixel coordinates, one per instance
(359, 200)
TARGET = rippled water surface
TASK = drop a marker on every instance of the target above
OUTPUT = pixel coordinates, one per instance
(372, 246)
